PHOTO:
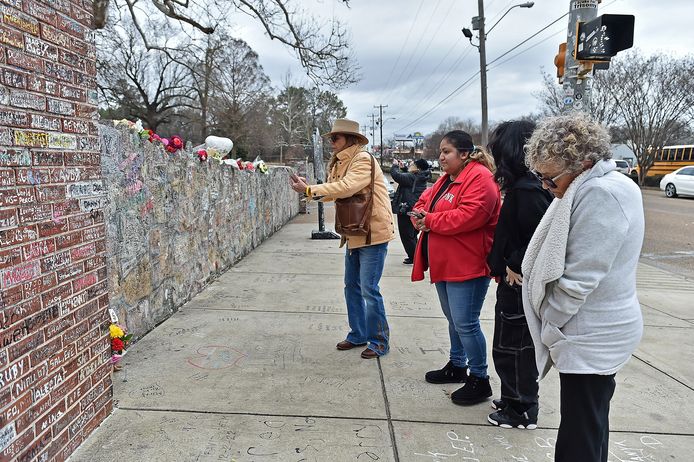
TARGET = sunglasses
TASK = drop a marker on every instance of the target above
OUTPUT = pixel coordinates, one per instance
(550, 182)
(334, 138)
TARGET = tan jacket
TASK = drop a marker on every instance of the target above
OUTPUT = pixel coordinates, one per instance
(351, 175)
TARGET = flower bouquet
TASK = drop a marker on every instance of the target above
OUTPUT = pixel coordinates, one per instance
(119, 340)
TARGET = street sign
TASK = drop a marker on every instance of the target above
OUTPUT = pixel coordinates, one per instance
(604, 36)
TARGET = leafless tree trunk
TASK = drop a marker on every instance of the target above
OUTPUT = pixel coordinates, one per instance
(323, 50)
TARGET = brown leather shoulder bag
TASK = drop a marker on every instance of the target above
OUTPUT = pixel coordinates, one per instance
(353, 214)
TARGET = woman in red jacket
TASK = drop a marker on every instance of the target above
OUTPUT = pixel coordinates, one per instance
(457, 217)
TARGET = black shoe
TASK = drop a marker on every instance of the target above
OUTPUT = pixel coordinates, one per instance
(449, 374)
(499, 404)
(408, 261)
(509, 418)
(474, 391)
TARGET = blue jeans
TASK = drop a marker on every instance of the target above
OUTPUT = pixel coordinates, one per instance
(365, 309)
(461, 303)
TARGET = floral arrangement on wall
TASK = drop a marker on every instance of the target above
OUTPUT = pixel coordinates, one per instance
(215, 147)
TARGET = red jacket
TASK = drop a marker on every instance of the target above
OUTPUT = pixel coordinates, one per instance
(461, 226)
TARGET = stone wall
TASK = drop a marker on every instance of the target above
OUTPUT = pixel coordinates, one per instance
(55, 384)
(174, 223)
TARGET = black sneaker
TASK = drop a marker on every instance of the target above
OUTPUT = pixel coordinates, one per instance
(449, 374)
(408, 261)
(509, 418)
(499, 404)
(474, 391)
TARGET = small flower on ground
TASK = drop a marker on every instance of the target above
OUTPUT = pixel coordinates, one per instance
(115, 331)
(117, 344)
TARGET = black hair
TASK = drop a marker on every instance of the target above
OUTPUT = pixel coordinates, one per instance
(506, 144)
(460, 140)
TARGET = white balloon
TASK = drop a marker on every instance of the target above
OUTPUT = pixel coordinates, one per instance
(223, 145)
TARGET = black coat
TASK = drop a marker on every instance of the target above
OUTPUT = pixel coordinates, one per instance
(524, 205)
(410, 187)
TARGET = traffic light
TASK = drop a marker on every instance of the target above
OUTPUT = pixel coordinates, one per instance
(603, 37)
(560, 60)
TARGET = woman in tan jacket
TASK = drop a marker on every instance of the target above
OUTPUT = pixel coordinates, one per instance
(350, 174)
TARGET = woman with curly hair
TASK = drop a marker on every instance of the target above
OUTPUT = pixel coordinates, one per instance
(525, 201)
(457, 217)
(579, 287)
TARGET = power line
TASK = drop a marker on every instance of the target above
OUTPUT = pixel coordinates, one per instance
(402, 48)
(529, 38)
(423, 53)
(450, 95)
(414, 50)
(469, 81)
(512, 57)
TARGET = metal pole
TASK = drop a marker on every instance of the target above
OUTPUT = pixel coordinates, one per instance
(577, 88)
(380, 117)
(320, 175)
(483, 72)
(380, 123)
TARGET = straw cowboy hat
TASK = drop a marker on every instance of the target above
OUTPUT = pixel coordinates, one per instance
(347, 127)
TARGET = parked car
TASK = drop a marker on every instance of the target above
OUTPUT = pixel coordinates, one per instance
(623, 166)
(679, 182)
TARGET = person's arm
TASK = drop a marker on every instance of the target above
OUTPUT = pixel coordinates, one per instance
(589, 254)
(357, 177)
(475, 207)
(403, 179)
(530, 207)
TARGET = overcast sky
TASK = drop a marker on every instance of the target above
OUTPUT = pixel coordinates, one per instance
(413, 54)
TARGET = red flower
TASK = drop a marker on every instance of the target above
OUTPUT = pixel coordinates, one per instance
(117, 344)
(202, 155)
(176, 142)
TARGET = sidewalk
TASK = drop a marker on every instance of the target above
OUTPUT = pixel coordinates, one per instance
(248, 371)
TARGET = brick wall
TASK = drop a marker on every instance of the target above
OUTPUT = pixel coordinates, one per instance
(55, 385)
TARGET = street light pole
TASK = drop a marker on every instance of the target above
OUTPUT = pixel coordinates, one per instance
(483, 71)
(478, 24)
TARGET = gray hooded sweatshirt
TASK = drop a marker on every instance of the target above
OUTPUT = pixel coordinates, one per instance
(579, 287)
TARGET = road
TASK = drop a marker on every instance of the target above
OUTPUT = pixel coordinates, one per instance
(669, 240)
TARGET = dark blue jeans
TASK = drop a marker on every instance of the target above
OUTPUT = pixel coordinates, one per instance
(461, 302)
(365, 310)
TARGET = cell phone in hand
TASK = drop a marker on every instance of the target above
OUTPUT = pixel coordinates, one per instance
(416, 214)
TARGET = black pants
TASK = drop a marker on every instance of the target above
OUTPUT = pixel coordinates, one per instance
(512, 349)
(408, 235)
(584, 429)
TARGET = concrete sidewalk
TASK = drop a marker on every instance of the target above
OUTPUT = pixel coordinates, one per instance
(248, 371)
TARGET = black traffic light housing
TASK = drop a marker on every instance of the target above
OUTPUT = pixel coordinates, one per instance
(603, 37)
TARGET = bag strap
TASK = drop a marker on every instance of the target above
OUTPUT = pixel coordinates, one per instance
(369, 207)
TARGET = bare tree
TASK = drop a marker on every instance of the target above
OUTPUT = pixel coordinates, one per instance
(137, 84)
(551, 98)
(322, 49)
(645, 101)
(433, 140)
(651, 97)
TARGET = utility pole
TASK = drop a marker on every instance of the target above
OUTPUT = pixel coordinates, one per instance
(380, 123)
(578, 82)
(483, 71)
(373, 127)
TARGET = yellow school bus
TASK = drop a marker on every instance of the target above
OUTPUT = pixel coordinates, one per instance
(670, 158)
